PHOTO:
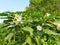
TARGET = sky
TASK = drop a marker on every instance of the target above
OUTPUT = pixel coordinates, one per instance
(16, 5)
(12, 5)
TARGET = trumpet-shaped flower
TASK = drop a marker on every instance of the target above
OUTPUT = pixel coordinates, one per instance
(18, 18)
(39, 28)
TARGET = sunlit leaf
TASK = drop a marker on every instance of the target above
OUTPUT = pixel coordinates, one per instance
(29, 29)
(9, 36)
(47, 31)
(27, 41)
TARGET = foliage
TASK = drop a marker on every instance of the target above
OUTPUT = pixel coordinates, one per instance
(34, 26)
(44, 6)
(29, 28)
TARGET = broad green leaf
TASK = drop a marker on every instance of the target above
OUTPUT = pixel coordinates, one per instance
(9, 36)
(29, 29)
(27, 41)
(45, 18)
(3, 14)
(37, 40)
(50, 32)
(52, 16)
(57, 17)
(3, 17)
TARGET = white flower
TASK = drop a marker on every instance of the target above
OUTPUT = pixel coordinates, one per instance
(18, 18)
(39, 28)
(48, 14)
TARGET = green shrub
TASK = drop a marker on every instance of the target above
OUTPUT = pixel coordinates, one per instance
(30, 28)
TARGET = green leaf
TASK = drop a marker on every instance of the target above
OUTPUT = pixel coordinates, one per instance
(27, 41)
(3, 17)
(45, 18)
(50, 32)
(37, 40)
(3, 14)
(9, 36)
(29, 29)
(52, 16)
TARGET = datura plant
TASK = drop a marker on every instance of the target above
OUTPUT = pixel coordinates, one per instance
(29, 28)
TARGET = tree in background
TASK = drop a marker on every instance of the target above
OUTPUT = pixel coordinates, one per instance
(49, 6)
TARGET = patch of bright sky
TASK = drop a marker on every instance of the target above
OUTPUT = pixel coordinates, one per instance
(15, 5)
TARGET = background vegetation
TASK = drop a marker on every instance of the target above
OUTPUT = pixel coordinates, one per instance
(39, 24)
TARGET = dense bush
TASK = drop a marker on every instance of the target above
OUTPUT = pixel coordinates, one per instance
(44, 6)
(30, 28)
